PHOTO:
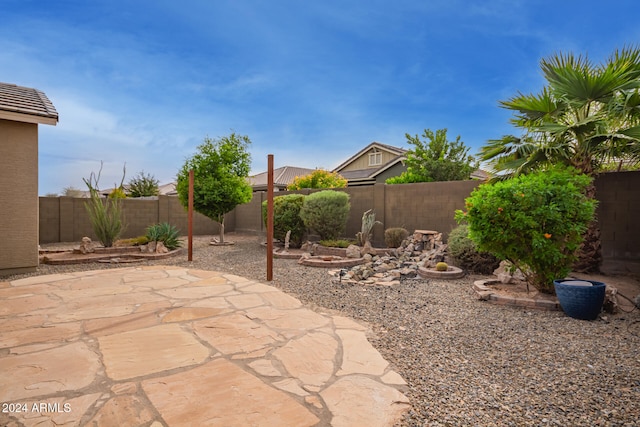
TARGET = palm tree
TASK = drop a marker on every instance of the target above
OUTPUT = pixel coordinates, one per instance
(587, 116)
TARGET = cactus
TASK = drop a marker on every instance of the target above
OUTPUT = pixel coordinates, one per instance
(442, 266)
(368, 221)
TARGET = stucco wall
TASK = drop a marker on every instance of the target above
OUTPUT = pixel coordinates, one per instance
(65, 219)
(413, 206)
(18, 197)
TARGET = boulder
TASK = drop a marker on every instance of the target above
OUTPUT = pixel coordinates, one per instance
(87, 246)
(353, 251)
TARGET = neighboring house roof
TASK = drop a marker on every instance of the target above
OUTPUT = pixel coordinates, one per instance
(167, 189)
(480, 175)
(23, 104)
(368, 175)
(282, 177)
(389, 148)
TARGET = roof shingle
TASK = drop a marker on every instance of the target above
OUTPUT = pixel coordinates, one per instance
(26, 104)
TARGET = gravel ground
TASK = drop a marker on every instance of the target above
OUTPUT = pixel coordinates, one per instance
(467, 363)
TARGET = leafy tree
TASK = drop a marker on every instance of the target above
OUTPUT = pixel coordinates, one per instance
(319, 178)
(221, 167)
(436, 159)
(143, 185)
(587, 116)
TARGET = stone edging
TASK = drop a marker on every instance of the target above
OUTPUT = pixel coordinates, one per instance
(451, 273)
(485, 293)
(322, 261)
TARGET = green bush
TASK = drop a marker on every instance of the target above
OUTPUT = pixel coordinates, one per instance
(286, 216)
(106, 218)
(394, 236)
(143, 185)
(534, 221)
(133, 241)
(118, 193)
(319, 178)
(165, 233)
(326, 212)
(466, 253)
(337, 243)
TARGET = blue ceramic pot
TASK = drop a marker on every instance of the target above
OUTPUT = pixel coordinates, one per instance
(580, 299)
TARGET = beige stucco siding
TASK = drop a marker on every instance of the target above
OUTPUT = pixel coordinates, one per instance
(363, 161)
(18, 196)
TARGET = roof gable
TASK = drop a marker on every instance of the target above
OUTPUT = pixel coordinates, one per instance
(23, 104)
(397, 151)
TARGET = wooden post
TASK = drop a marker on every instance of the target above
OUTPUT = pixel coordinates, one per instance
(270, 218)
(190, 214)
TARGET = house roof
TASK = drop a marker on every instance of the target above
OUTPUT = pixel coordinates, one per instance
(390, 148)
(282, 177)
(23, 104)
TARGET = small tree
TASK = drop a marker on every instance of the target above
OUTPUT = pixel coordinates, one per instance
(436, 159)
(319, 178)
(534, 221)
(221, 167)
(143, 185)
(71, 192)
(326, 212)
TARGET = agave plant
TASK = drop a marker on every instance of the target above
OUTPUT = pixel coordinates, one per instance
(165, 233)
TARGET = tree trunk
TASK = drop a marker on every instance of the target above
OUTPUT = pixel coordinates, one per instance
(590, 251)
(221, 222)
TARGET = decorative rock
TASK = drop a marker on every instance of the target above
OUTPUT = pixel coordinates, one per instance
(368, 249)
(353, 251)
(505, 275)
(610, 304)
(161, 248)
(87, 246)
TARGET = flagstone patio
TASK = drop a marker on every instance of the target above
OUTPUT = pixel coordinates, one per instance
(165, 346)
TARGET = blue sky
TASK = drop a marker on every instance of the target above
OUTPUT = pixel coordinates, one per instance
(143, 82)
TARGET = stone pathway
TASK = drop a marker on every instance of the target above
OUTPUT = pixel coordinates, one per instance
(164, 346)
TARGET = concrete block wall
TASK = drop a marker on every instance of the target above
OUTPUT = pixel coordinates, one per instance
(426, 206)
(65, 219)
(412, 206)
(618, 215)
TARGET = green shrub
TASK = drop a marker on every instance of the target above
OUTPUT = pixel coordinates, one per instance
(286, 216)
(534, 221)
(165, 233)
(133, 241)
(118, 193)
(319, 178)
(466, 253)
(326, 212)
(143, 185)
(105, 217)
(394, 236)
(337, 243)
